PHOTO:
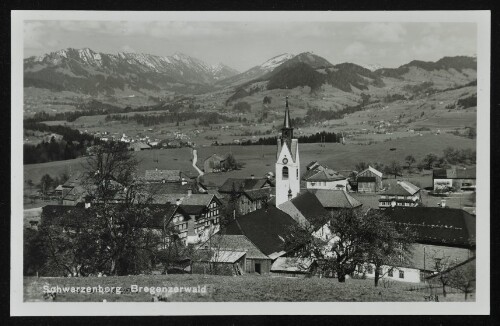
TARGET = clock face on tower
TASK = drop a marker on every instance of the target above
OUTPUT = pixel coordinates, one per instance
(285, 160)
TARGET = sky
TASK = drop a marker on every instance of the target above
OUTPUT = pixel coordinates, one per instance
(242, 45)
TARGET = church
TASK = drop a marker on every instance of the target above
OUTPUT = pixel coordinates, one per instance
(287, 162)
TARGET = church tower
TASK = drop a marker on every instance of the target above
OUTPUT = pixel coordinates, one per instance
(287, 163)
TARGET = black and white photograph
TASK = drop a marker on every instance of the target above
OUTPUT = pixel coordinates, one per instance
(298, 162)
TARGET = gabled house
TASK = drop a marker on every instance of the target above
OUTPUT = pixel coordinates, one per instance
(320, 177)
(204, 211)
(254, 260)
(266, 228)
(214, 163)
(444, 237)
(369, 180)
(163, 176)
(402, 194)
(251, 193)
(459, 179)
(294, 267)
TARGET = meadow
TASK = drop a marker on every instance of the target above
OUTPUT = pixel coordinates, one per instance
(259, 159)
(246, 288)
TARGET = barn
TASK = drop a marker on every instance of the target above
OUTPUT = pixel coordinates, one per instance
(294, 267)
(369, 180)
(213, 163)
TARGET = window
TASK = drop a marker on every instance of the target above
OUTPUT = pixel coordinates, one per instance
(297, 173)
(390, 273)
(285, 173)
(401, 274)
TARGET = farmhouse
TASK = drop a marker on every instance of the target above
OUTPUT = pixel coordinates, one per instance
(214, 163)
(163, 176)
(369, 180)
(203, 209)
(139, 146)
(254, 261)
(455, 178)
(294, 267)
(71, 218)
(404, 194)
(252, 193)
(266, 228)
(444, 237)
(320, 177)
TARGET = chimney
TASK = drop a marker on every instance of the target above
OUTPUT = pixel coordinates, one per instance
(190, 192)
(177, 201)
(443, 203)
(87, 205)
(252, 176)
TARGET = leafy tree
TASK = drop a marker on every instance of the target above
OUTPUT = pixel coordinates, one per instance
(230, 162)
(429, 160)
(410, 160)
(267, 100)
(242, 107)
(394, 168)
(463, 278)
(46, 182)
(389, 244)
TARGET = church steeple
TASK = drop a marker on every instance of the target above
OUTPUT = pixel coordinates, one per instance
(287, 130)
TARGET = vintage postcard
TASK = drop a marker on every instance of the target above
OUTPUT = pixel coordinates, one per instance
(213, 163)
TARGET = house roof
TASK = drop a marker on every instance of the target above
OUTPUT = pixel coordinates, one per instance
(403, 188)
(324, 174)
(292, 265)
(236, 242)
(436, 225)
(266, 228)
(336, 199)
(172, 188)
(289, 208)
(140, 145)
(454, 173)
(215, 157)
(373, 170)
(59, 188)
(75, 194)
(243, 184)
(159, 175)
(192, 204)
(310, 207)
(366, 179)
(311, 165)
(258, 193)
(223, 256)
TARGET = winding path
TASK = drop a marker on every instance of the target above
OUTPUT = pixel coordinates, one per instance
(195, 159)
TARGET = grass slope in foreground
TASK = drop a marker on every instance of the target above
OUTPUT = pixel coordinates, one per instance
(247, 288)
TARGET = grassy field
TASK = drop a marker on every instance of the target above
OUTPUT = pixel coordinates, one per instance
(247, 288)
(259, 160)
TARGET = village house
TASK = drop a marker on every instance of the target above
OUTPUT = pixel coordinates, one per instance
(214, 163)
(320, 177)
(444, 237)
(457, 179)
(252, 193)
(294, 267)
(139, 146)
(163, 176)
(403, 193)
(221, 248)
(204, 211)
(369, 180)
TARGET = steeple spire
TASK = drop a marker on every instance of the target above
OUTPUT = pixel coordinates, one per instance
(287, 124)
(287, 130)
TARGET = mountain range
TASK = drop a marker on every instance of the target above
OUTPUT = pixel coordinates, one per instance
(85, 71)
